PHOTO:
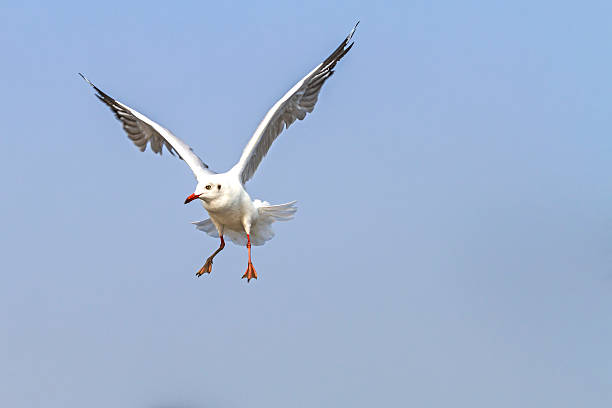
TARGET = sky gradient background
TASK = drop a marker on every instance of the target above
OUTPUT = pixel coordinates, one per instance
(453, 241)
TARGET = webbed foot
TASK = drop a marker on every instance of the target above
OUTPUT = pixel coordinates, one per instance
(250, 273)
(206, 268)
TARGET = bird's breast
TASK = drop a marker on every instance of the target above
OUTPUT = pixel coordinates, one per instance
(230, 210)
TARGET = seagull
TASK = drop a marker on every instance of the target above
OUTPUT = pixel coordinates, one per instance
(232, 212)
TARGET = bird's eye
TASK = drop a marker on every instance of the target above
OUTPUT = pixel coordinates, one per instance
(208, 187)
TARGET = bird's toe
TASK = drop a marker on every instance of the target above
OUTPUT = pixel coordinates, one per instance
(207, 268)
(250, 273)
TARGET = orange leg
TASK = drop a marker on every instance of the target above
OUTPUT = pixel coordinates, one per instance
(208, 265)
(250, 272)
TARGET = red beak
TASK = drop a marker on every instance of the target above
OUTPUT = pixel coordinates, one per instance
(191, 198)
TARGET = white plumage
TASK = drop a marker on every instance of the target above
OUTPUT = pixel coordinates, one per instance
(232, 212)
(261, 230)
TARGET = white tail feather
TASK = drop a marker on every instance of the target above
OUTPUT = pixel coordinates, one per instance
(208, 227)
(261, 230)
(280, 212)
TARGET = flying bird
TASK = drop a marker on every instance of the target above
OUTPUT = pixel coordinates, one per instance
(232, 212)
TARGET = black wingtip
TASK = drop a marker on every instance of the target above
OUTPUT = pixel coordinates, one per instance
(352, 31)
(102, 95)
(87, 80)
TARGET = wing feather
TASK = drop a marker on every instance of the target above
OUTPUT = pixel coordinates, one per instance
(143, 131)
(299, 101)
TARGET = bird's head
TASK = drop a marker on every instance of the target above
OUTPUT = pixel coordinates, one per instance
(206, 191)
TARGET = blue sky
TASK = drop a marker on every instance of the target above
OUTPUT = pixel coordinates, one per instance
(453, 241)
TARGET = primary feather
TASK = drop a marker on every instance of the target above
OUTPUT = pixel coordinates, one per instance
(296, 103)
(142, 131)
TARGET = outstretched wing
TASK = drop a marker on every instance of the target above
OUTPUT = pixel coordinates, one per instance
(296, 103)
(143, 131)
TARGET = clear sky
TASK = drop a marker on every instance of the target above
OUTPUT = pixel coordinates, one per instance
(452, 246)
